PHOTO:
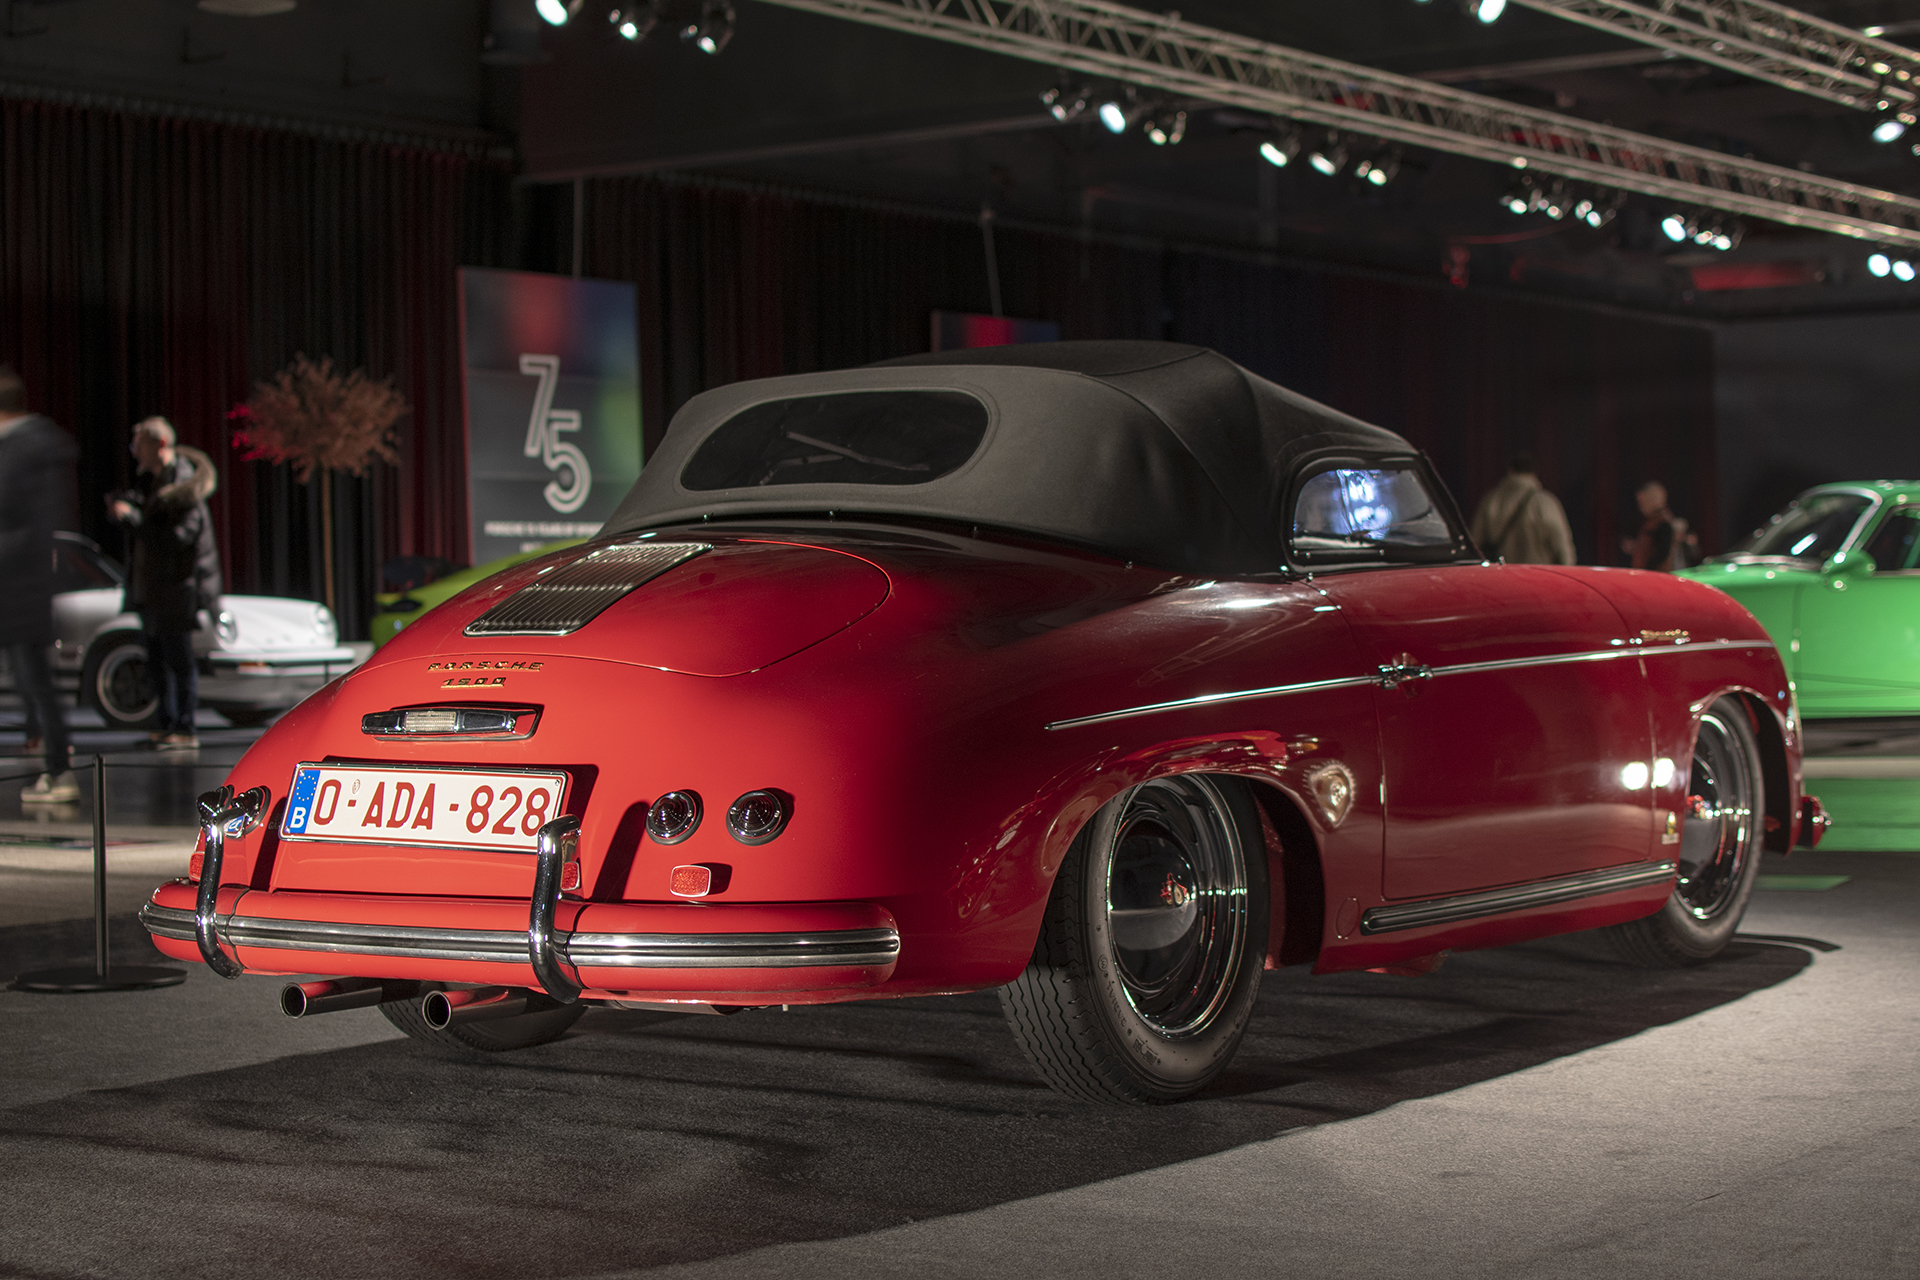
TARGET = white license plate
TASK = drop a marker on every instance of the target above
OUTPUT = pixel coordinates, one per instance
(457, 808)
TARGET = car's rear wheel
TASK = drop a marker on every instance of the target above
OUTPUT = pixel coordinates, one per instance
(114, 681)
(1149, 957)
(1719, 855)
(494, 1035)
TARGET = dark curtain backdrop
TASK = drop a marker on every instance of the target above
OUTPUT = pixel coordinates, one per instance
(735, 283)
(152, 265)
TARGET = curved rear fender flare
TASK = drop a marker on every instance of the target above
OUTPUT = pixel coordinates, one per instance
(1260, 757)
(1779, 744)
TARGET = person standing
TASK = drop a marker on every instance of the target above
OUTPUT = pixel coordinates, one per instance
(176, 568)
(36, 474)
(1520, 522)
(1664, 542)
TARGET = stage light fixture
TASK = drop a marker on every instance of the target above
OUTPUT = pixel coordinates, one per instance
(1065, 101)
(1487, 11)
(1380, 169)
(1518, 198)
(557, 13)
(1165, 128)
(632, 22)
(1282, 147)
(1891, 124)
(1903, 271)
(1674, 227)
(715, 28)
(1330, 157)
(1879, 264)
(1554, 202)
(1117, 113)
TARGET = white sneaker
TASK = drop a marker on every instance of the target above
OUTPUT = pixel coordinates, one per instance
(52, 789)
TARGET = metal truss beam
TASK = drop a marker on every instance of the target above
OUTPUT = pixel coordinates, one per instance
(1760, 39)
(1098, 38)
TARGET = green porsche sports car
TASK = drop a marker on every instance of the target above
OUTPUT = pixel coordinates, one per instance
(1835, 580)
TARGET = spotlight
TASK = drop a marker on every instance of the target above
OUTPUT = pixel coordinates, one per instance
(1598, 213)
(632, 23)
(1674, 227)
(715, 28)
(1064, 101)
(1487, 11)
(1166, 128)
(1554, 202)
(1890, 125)
(1379, 170)
(557, 12)
(1518, 198)
(1903, 270)
(1117, 113)
(1879, 264)
(1330, 157)
(1281, 148)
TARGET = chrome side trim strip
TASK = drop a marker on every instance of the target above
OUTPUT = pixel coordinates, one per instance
(1460, 668)
(1208, 699)
(1541, 893)
(602, 950)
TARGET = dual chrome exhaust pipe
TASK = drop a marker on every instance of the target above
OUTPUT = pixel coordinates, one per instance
(439, 1009)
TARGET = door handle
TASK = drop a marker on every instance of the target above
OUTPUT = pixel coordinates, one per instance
(1402, 669)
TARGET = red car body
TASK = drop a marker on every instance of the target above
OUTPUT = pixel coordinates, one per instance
(943, 707)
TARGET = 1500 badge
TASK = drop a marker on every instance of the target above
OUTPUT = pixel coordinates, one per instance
(482, 664)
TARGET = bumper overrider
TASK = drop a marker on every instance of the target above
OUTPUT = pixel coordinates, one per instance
(567, 949)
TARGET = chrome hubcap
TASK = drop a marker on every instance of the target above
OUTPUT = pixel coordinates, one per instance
(1176, 903)
(1717, 829)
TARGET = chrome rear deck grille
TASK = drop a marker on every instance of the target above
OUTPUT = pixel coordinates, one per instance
(568, 598)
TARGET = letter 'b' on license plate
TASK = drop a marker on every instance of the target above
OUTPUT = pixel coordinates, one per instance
(455, 808)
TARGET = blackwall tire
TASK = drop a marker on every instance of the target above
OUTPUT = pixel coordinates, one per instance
(496, 1035)
(1719, 854)
(1149, 958)
(113, 681)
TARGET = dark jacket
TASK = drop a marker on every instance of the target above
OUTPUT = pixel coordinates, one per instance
(36, 487)
(176, 567)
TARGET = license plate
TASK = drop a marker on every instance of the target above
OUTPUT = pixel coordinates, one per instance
(454, 808)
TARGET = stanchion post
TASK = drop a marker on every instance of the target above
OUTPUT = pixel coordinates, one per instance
(100, 865)
(102, 976)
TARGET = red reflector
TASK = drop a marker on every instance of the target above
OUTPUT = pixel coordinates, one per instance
(570, 877)
(690, 882)
(194, 864)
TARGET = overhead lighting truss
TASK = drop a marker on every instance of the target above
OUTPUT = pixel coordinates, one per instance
(1760, 39)
(1103, 39)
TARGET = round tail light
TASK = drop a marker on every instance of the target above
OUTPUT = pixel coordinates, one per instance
(673, 817)
(758, 816)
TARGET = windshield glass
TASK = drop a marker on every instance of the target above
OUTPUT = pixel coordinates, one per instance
(1811, 528)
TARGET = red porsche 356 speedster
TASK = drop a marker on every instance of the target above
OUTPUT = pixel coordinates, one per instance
(1106, 674)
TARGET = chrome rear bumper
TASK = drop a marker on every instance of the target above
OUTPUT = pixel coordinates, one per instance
(844, 947)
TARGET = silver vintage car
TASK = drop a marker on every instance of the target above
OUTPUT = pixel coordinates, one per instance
(258, 655)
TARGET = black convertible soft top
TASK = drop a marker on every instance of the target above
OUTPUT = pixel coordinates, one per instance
(1157, 452)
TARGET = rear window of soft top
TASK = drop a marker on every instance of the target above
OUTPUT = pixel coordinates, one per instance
(857, 437)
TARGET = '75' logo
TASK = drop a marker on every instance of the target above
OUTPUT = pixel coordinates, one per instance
(544, 442)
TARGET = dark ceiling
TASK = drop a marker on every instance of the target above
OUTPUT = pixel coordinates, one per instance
(801, 101)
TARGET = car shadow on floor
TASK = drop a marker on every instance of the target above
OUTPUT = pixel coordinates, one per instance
(645, 1139)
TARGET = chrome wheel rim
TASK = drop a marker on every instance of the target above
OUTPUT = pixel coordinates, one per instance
(121, 684)
(1717, 830)
(1176, 903)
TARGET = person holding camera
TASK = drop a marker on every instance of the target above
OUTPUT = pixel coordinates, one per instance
(176, 568)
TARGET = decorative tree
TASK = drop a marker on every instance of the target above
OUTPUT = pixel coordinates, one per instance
(321, 421)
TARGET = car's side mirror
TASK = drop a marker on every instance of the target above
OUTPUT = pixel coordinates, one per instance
(1848, 564)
